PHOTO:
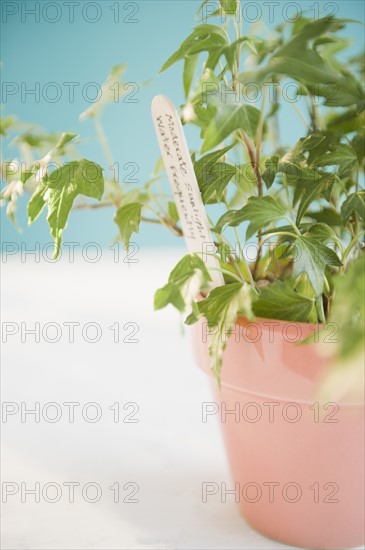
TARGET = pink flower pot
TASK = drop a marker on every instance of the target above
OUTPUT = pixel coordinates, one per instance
(297, 464)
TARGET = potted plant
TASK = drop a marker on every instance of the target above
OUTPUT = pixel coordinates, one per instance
(282, 336)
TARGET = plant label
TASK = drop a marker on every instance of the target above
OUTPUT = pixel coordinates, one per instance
(180, 171)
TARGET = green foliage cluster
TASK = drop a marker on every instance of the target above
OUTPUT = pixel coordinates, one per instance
(303, 204)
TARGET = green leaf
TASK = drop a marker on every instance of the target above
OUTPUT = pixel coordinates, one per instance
(207, 83)
(220, 309)
(326, 215)
(82, 175)
(34, 138)
(128, 219)
(296, 164)
(349, 121)
(62, 186)
(39, 141)
(279, 301)
(271, 169)
(186, 280)
(229, 117)
(358, 145)
(209, 38)
(354, 202)
(203, 116)
(172, 210)
(342, 156)
(323, 233)
(259, 211)
(303, 287)
(216, 179)
(229, 6)
(65, 138)
(230, 52)
(298, 60)
(312, 257)
(190, 65)
(36, 203)
(204, 163)
(213, 176)
(26, 175)
(312, 190)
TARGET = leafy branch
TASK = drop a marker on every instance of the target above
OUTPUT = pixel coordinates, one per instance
(301, 205)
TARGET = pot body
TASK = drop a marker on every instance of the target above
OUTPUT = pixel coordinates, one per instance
(297, 464)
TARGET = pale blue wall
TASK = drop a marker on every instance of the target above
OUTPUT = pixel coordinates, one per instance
(83, 52)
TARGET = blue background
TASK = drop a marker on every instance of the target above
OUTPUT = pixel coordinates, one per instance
(82, 51)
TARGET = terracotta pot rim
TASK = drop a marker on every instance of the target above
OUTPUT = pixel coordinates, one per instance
(278, 322)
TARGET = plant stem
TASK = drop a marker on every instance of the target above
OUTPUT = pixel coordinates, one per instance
(298, 233)
(348, 250)
(238, 48)
(166, 222)
(223, 76)
(103, 142)
(275, 119)
(327, 286)
(258, 177)
(226, 272)
(153, 197)
(277, 234)
(158, 220)
(247, 275)
(85, 206)
(320, 310)
(235, 231)
(238, 242)
(259, 132)
(255, 167)
(314, 115)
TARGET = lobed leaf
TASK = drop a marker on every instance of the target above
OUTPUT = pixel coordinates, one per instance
(259, 211)
(312, 257)
(213, 176)
(186, 280)
(354, 203)
(229, 117)
(59, 190)
(298, 60)
(206, 37)
(279, 301)
(220, 309)
(128, 219)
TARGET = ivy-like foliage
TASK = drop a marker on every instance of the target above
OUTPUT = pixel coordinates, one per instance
(301, 204)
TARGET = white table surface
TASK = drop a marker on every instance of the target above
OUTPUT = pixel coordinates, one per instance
(169, 453)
